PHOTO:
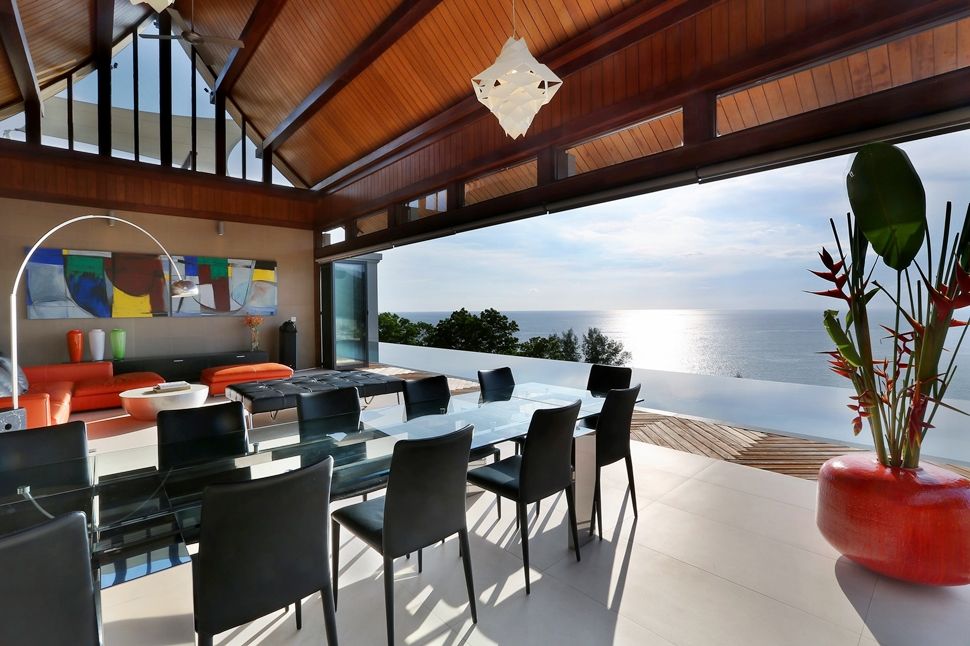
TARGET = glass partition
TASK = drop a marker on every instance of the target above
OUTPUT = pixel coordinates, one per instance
(350, 313)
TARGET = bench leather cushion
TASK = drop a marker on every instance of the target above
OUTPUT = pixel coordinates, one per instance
(218, 377)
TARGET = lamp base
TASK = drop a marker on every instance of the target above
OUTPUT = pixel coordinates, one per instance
(13, 419)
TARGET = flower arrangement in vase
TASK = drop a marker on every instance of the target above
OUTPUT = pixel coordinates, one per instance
(883, 510)
(253, 323)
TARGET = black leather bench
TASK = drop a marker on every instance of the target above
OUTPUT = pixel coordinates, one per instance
(280, 394)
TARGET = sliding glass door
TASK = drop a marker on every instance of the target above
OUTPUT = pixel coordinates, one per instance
(350, 313)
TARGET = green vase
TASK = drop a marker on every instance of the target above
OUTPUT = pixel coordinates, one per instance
(117, 344)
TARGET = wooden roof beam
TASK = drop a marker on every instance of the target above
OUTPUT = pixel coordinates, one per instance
(260, 22)
(402, 19)
(833, 130)
(18, 52)
(812, 44)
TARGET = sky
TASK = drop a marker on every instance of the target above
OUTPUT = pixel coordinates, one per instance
(741, 243)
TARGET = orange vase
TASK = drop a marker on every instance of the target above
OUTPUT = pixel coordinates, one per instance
(75, 345)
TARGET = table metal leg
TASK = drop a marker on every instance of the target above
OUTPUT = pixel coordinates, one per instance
(585, 483)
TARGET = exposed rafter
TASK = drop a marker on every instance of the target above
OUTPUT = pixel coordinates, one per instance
(18, 53)
(260, 22)
(623, 29)
(847, 33)
(402, 19)
(104, 18)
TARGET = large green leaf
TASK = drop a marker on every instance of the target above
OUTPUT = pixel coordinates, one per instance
(842, 341)
(889, 202)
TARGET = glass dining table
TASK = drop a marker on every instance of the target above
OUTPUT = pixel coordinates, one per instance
(143, 504)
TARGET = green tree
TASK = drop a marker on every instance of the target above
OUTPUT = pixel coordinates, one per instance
(392, 328)
(490, 331)
(599, 348)
(561, 347)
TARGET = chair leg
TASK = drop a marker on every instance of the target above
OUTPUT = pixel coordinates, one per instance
(329, 615)
(335, 555)
(420, 562)
(571, 506)
(596, 489)
(524, 530)
(633, 487)
(299, 614)
(469, 582)
(205, 640)
(599, 506)
(389, 598)
(498, 501)
(364, 496)
(537, 508)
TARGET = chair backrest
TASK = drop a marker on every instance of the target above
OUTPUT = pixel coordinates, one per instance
(193, 435)
(328, 411)
(48, 456)
(46, 587)
(496, 385)
(426, 396)
(425, 500)
(613, 425)
(547, 454)
(263, 544)
(605, 378)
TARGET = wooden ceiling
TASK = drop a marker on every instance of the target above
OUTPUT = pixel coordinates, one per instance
(370, 102)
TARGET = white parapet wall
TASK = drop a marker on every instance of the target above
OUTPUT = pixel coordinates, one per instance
(815, 412)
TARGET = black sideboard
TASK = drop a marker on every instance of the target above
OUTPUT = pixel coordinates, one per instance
(187, 367)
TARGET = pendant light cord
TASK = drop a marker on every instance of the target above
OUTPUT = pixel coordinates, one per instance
(514, 32)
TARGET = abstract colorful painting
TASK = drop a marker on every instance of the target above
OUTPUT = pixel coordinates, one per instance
(65, 283)
(227, 286)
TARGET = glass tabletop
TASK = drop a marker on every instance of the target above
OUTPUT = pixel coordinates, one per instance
(144, 503)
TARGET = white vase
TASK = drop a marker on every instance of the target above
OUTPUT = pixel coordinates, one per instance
(96, 343)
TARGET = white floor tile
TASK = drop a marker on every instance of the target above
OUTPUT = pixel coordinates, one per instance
(759, 482)
(902, 614)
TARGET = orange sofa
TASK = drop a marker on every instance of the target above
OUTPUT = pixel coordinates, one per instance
(58, 389)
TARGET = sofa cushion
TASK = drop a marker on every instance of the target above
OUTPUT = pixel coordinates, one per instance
(218, 377)
(93, 394)
(73, 372)
(115, 385)
(60, 399)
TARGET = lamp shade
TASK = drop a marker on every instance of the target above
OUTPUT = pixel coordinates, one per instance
(157, 5)
(515, 87)
(183, 288)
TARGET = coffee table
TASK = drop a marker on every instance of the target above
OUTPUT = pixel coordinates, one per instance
(145, 404)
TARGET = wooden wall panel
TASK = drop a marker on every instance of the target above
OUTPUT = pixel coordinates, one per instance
(54, 175)
(9, 92)
(508, 180)
(225, 18)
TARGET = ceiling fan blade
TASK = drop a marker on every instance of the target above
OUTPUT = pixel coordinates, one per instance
(160, 37)
(218, 40)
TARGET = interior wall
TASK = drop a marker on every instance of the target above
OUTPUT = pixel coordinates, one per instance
(22, 223)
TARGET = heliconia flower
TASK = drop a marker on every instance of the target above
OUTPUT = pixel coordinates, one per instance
(834, 293)
(829, 262)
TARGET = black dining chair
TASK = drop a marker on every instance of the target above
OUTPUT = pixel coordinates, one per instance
(63, 448)
(340, 406)
(613, 444)
(425, 503)
(46, 587)
(544, 469)
(603, 379)
(496, 385)
(263, 546)
(431, 396)
(193, 435)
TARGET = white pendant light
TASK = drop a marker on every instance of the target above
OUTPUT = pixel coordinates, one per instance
(516, 85)
(158, 5)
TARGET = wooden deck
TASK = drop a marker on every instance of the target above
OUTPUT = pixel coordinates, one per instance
(791, 456)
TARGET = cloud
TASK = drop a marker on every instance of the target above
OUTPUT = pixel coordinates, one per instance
(743, 242)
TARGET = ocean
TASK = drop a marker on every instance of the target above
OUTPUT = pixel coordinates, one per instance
(773, 345)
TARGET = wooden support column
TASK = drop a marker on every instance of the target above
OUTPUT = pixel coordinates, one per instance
(551, 165)
(456, 195)
(268, 165)
(165, 89)
(221, 151)
(104, 25)
(699, 118)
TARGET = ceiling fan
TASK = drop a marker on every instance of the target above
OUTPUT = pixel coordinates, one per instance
(189, 35)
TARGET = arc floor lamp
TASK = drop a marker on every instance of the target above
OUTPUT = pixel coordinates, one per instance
(178, 289)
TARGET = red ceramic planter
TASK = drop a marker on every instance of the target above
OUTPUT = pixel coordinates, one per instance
(75, 345)
(910, 524)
